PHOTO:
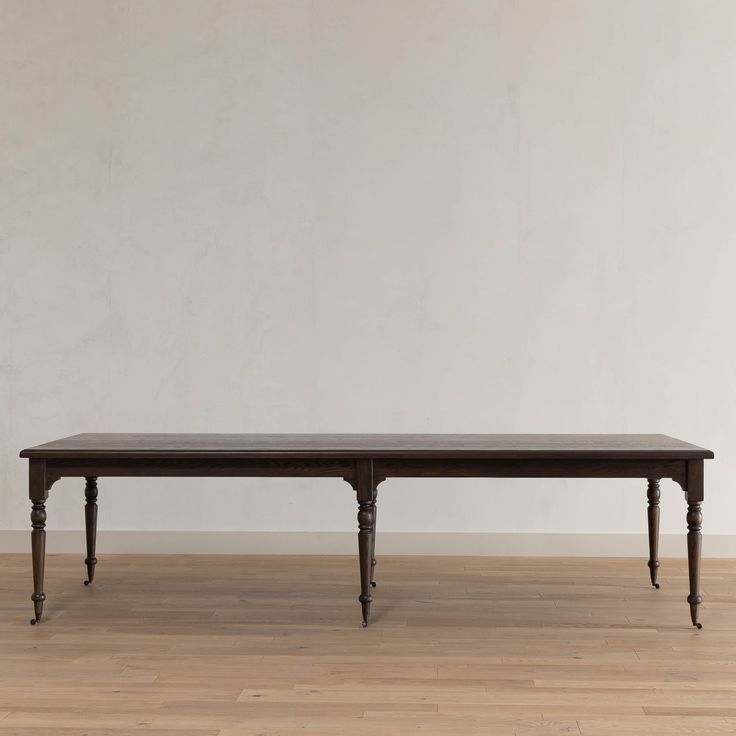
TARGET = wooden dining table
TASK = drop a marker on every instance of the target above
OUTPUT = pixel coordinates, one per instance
(365, 461)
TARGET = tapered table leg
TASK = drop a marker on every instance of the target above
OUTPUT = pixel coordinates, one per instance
(366, 532)
(366, 514)
(373, 539)
(653, 519)
(38, 550)
(90, 523)
(694, 522)
(694, 492)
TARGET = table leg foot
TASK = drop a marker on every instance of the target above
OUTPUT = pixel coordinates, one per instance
(38, 599)
(37, 605)
(366, 606)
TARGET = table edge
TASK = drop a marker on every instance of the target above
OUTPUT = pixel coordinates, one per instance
(693, 453)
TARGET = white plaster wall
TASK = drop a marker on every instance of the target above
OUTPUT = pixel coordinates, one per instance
(346, 216)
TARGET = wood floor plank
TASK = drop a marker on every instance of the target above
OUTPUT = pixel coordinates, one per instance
(659, 725)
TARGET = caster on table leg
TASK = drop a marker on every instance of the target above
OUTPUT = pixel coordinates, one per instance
(656, 585)
(87, 582)
(373, 584)
(35, 621)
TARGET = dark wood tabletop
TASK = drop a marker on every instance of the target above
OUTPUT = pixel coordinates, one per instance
(478, 446)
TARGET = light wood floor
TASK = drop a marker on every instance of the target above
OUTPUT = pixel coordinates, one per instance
(236, 646)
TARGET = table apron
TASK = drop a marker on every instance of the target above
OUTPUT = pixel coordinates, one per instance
(201, 468)
(531, 468)
(381, 468)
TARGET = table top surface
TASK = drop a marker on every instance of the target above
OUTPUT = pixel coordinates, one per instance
(478, 446)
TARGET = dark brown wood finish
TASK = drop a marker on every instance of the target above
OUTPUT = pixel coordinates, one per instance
(373, 538)
(366, 532)
(370, 446)
(90, 526)
(694, 495)
(38, 491)
(364, 461)
(653, 523)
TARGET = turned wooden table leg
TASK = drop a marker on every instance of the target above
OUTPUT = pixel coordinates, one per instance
(694, 494)
(38, 550)
(90, 523)
(366, 521)
(373, 539)
(694, 538)
(653, 518)
(38, 493)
